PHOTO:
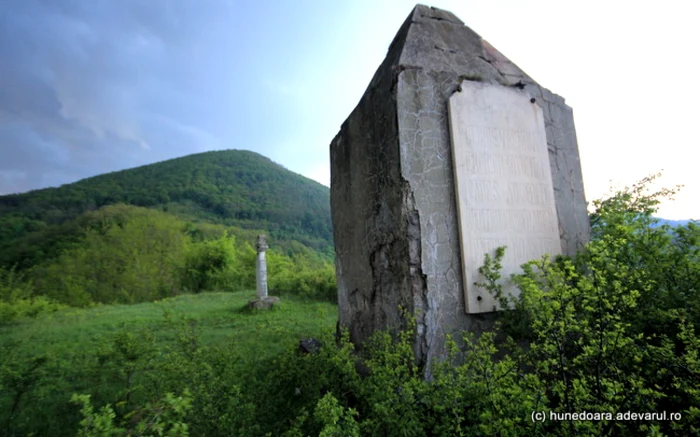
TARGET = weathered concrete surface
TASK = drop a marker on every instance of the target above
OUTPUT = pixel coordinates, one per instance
(392, 186)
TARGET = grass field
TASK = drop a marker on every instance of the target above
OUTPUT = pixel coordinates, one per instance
(44, 361)
(220, 317)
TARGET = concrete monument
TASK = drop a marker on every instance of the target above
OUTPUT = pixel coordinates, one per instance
(263, 301)
(261, 267)
(451, 152)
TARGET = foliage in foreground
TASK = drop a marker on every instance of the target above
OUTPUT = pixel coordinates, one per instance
(17, 299)
(162, 419)
(129, 357)
(614, 331)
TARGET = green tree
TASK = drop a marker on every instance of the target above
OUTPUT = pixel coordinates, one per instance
(134, 259)
(211, 265)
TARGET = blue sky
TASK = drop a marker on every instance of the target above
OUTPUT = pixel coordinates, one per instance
(92, 86)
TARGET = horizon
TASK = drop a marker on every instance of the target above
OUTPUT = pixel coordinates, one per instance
(97, 88)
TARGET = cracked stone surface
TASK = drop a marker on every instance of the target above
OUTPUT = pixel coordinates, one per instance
(392, 186)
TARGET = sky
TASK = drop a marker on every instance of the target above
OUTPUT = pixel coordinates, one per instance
(93, 86)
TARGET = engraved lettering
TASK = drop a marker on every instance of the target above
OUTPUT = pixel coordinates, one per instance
(503, 177)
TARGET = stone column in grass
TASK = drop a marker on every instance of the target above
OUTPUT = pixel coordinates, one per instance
(262, 301)
(261, 267)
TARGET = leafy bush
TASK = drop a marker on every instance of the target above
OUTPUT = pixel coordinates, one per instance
(163, 418)
(133, 259)
(337, 421)
(303, 275)
(17, 298)
(211, 375)
(209, 265)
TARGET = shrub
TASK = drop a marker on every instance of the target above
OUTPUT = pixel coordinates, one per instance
(209, 265)
(130, 260)
(302, 275)
(17, 298)
(163, 418)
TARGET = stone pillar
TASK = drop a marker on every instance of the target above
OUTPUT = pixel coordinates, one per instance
(263, 301)
(261, 267)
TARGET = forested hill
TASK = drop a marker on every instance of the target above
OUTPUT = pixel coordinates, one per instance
(233, 187)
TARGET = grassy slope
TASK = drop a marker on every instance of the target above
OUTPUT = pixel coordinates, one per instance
(219, 316)
(71, 339)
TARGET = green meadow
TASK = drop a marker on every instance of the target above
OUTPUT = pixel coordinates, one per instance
(114, 352)
(222, 318)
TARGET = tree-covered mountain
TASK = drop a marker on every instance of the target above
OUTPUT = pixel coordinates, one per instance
(235, 188)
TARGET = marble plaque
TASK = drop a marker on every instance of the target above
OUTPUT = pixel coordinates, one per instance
(503, 183)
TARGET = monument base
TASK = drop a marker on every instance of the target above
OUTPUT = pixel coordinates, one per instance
(264, 303)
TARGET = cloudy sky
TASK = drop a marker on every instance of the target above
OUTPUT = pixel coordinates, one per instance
(93, 86)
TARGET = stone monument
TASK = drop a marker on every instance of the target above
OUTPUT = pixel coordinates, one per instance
(263, 301)
(451, 152)
(261, 267)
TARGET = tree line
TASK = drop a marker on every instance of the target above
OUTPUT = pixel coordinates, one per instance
(234, 188)
(131, 254)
